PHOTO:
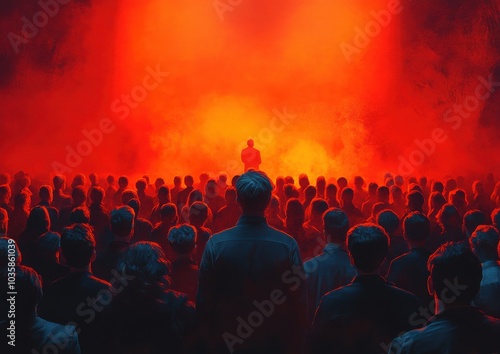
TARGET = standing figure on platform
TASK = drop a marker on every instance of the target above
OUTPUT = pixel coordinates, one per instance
(250, 157)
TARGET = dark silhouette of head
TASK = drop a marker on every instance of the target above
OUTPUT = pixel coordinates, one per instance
(253, 191)
(198, 213)
(454, 263)
(59, 182)
(182, 238)
(211, 188)
(372, 190)
(96, 195)
(416, 228)
(331, 191)
(45, 193)
(484, 243)
(79, 215)
(376, 209)
(79, 195)
(177, 181)
(93, 178)
(396, 192)
(250, 143)
(38, 222)
(78, 180)
(122, 222)
(303, 180)
(168, 213)
(110, 179)
(472, 219)
(449, 218)
(368, 245)
(29, 292)
(389, 221)
(22, 200)
(318, 208)
(310, 193)
(295, 214)
(347, 196)
(127, 195)
(194, 196)
(230, 196)
(123, 182)
(141, 185)
(415, 201)
(78, 245)
(234, 180)
(436, 201)
(188, 181)
(290, 191)
(437, 186)
(321, 185)
(458, 198)
(5, 193)
(399, 181)
(135, 204)
(359, 182)
(163, 194)
(450, 184)
(383, 194)
(336, 225)
(159, 182)
(342, 182)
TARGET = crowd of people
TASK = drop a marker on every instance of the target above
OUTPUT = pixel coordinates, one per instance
(250, 265)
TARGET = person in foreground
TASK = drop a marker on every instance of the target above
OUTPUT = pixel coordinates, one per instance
(33, 334)
(457, 327)
(250, 298)
(366, 315)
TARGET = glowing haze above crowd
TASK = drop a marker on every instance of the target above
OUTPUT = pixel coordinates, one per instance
(322, 87)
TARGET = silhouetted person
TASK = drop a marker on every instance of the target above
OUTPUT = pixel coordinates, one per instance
(185, 270)
(409, 271)
(93, 183)
(457, 328)
(147, 317)
(280, 193)
(212, 197)
(198, 216)
(294, 223)
(46, 260)
(342, 183)
(383, 196)
(251, 263)
(250, 156)
(367, 206)
(320, 187)
(331, 196)
(437, 186)
(414, 202)
(450, 184)
(436, 202)
(32, 333)
(19, 215)
(484, 244)
(331, 268)
(309, 195)
(46, 197)
(451, 224)
(390, 222)
(79, 296)
(78, 181)
(472, 219)
(290, 191)
(99, 217)
(79, 198)
(129, 194)
(142, 227)
(122, 227)
(147, 202)
(273, 214)
(37, 224)
(495, 196)
(354, 214)
(222, 184)
(481, 201)
(458, 198)
(79, 215)
(183, 195)
(362, 316)
(313, 228)
(5, 195)
(174, 191)
(168, 218)
(360, 195)
(110, 192)
(163, 198)
(303, 184)
(61, 200)
(398, 202)
(122, 185)
(228, 215)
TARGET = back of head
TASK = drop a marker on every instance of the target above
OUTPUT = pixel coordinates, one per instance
(415, 201)
(122, 222)
(372, 189)
(93, 178)
(211, 188)
(295, 211)
(290, 191)
(78, 245)
(58, 181)
(458, 198)
(48, 246)
(359, 181)
(123, 182)
(342, 182)
(451, 184)
(168, 212)
(250, 143)
(399, 180)
(331, 191)
(389, 221)
(336, 224)
(45, 193)
(396, 192)
(230, 196)
(234, 180)
(436, 201)
(254, 190)
(484, 243)
(472, 219)
(188, 181)
(478, 187)
(160, 182)
(135, 204)
(451, 264)
(97, 194)
(318, 207)
(127, 195)
(448, 216)
(321, 182)
(29, 292)
(79, 195)
(310, 192)
(79, 215)
(147, 264)
(110, 179)
(303, 180)
(141, 185)
(194, 196)
(182, 238)
(38, 221)
(164, 194)
(22, 200)
(177, 181)
(368, 245)
(78, 180)
(437, 186)
(198, 213)
(347, 194)
(377, 208)
(416, 227)
(383, 194)
(5, 192)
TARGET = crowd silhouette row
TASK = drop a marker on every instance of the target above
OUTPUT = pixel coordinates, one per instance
(248, 265)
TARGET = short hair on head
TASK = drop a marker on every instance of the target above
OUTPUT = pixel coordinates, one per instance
(48, 245)
(177, 180)
(274, 202)
(437, 186)
(336, 224)
(45, 193)
(454, 263)
(377, 208)
(141, 184)
(127, 195)
(188, 180)
(5, 191)
(79, 215)
(372, 187)
(383, 192)
(198, 212)
(436, 200)
(485, 240)
(122, 221)
(290, 191)
(368, 245)
(448, 216)
(135, 204)
(29, 291)
(110, 179)
(159, 182)
(474, 218)
(147, 264)
(97, 194)
(415, 200)
(78, 245)
(331, 189)
(123, 181)
(168, 211)
(416, 227)
(230, 194)
(58, 181)
(359, 181)
(295, 210)
(388, 220)
(182, 238)
(4, 251)
(347, 193)
(318, 206)
(254, 190)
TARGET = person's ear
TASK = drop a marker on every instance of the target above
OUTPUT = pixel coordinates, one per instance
(430, 286)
